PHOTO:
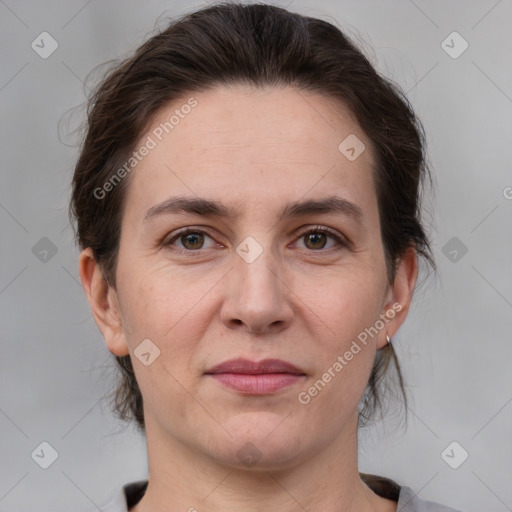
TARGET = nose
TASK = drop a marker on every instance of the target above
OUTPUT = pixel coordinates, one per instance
(257, 297)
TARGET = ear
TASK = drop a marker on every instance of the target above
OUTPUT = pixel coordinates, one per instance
(104, 304)
(399, 296)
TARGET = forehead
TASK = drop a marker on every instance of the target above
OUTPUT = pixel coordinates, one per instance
(245, 145)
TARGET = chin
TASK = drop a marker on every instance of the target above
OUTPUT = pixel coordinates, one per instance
(261, 443)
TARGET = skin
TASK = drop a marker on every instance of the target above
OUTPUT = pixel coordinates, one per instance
(302, 301)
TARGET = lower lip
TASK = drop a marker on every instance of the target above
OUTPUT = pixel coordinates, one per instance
(260, 384)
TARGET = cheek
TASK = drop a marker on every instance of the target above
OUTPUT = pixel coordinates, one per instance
(350, 302)
(156, 299)
(349, 307)
(170, 307)
(165, 308)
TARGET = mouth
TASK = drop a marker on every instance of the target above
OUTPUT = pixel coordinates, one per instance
(256, 378)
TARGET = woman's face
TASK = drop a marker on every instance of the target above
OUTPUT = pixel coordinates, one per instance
(264, 273)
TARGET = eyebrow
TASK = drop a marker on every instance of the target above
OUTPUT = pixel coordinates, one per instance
(211, 208)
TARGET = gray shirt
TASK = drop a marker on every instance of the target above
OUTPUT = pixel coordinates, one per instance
(408, 500)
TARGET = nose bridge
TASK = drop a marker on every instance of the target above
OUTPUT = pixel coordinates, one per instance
(258, 271)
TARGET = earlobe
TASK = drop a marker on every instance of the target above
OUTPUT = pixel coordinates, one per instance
(400, 295)
(103, 302)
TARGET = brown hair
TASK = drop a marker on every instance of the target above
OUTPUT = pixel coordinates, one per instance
(261, 45)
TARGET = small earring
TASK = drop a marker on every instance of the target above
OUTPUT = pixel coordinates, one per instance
(388, 339)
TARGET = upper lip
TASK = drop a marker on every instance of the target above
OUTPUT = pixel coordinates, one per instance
(246, 366)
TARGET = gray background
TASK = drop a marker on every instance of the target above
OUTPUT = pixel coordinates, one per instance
(455, 346)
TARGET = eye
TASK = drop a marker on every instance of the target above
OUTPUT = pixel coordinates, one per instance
(316, 239)
(191, 240)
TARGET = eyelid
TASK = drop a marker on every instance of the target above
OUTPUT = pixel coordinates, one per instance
(168, 241)
(342, 241)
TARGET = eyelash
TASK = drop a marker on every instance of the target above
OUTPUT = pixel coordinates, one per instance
(318, 229)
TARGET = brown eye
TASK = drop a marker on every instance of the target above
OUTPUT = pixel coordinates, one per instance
(192, 240)
(315, 240)
(318, 239)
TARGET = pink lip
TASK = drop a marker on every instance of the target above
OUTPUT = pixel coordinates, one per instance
(256, 378)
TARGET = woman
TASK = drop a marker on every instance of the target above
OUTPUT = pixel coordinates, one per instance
(247, 204)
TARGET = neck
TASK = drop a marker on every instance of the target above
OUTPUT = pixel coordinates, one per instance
(183, 479)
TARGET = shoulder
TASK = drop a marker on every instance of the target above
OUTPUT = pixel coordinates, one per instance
(128, 496)
(409, 501)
